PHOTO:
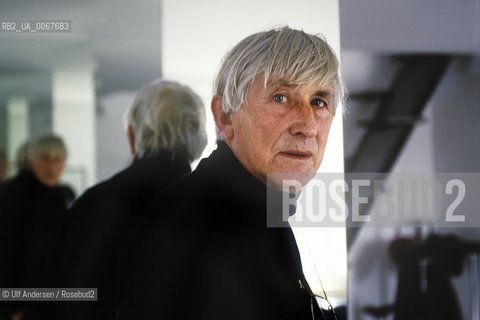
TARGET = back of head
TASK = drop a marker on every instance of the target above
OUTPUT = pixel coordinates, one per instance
(166, 115)
(279, 54)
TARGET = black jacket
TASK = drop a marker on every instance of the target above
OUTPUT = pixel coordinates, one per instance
(101, 220)
(204, 252)
(31, 215)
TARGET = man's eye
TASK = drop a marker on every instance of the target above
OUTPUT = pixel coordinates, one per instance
(279, 98)
(319, 103)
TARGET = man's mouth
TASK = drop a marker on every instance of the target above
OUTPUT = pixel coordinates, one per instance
(297, 154)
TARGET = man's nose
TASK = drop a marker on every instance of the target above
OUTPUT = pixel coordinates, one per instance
(303, 121)
(52, 165)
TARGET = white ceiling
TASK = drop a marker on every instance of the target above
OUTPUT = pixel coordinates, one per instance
(124, 37)
(392, 26)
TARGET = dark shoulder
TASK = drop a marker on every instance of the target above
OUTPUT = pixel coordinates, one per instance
(13, 183)
(106, 188)
(92, 193)
(190, 193)
(16, 188)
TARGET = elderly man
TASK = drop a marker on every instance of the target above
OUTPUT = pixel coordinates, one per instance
(32, 208)
(205, 252)
(165, 132)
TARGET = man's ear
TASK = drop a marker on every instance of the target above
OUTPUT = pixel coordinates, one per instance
(222, 119)
(131, 140)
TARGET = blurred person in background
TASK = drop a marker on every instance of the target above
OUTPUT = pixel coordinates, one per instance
(165, 132)
(32, 210)
(22, 162)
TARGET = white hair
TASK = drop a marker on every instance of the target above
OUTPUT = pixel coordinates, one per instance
(166, 115)
(47, 143)
(278, 54)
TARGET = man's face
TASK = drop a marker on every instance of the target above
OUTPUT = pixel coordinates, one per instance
(282, 129)
(48, 167)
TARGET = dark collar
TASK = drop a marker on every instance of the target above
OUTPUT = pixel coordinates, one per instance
(28, 177)
(229, 172)
(159, 165)
(162, 156)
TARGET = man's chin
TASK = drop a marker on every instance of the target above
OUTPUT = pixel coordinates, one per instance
(289, 182)
(50, 182)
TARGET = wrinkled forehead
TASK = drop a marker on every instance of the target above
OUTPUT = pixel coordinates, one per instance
(326, 90)
(327, 86)
(302, 72)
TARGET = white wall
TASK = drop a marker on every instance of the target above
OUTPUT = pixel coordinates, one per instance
(73, 112)
(17, 124)
(112, 148)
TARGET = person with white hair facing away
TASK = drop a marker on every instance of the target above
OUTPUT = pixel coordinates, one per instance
(165, 132)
